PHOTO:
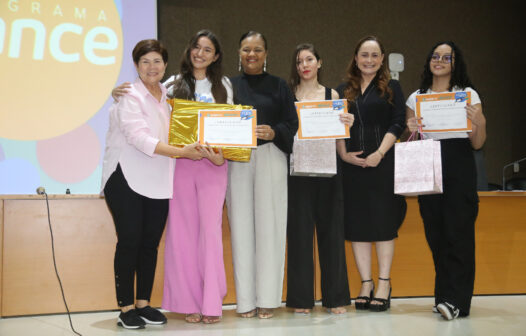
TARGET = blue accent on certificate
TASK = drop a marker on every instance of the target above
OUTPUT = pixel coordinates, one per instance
(246, 114)
(461, 97)
(337, 104)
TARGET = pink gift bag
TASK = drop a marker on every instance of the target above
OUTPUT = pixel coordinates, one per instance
(418, 168)
(313, 158)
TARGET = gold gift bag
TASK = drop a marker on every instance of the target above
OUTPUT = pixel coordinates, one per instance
(184, 120)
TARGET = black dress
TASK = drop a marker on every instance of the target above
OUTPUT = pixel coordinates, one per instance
(372, 211)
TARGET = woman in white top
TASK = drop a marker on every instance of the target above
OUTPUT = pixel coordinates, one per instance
(194, 272)
(449, 218)
(137, 178)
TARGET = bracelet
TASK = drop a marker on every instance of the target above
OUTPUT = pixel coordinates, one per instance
(379, 151)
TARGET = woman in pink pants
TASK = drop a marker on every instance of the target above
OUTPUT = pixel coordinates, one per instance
(194, 272)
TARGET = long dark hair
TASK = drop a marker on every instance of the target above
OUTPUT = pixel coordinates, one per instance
(353, 75)
(294, 79)
(184, 86)
(459, 72)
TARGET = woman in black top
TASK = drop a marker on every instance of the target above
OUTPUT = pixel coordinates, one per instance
(373, 213)
(315, 202)
(257, 190)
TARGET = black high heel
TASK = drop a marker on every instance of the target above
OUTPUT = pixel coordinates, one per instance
(384, 303)
(366, 299)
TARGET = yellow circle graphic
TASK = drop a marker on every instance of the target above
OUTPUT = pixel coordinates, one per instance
(59, 60)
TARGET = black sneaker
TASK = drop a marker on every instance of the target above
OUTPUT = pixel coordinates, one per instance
(151, 315)
(130, 320)
(448, 311)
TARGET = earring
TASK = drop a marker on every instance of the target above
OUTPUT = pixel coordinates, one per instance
(265, 66)
(239, 66)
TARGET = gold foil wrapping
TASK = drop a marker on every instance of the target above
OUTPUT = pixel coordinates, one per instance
(184, 121)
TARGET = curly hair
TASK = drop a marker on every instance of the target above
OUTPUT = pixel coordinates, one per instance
(294, 79)
(353, 75)
(459, 74)
(184, 85)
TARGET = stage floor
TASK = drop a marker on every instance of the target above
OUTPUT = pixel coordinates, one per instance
(490, 315)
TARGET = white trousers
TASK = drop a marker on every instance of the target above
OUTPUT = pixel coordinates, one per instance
(257, 212)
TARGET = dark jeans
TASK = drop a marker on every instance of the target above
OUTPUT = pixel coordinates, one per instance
(139, 223)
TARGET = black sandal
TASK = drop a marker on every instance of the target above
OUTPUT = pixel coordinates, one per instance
(384, 303)
(366, 299)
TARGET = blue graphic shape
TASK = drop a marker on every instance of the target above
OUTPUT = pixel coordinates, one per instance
(20, 149)
(2, 155)
(90, 185)
(461, 97)
(337, 104)
(118, 4)
(18, 176)
(203, 98)
(246, 114)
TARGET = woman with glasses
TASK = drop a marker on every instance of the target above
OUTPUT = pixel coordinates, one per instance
(449, 218)
(373, 213)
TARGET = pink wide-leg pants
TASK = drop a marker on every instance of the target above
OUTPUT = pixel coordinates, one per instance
(194, 271)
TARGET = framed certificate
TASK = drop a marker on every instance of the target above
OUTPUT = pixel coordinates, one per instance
(321, 119)
(227, 128)
(444, 112)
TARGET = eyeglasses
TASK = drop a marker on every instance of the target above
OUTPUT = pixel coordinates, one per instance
(444, 58)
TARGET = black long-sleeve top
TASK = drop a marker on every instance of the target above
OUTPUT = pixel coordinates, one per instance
(374, 116)
(274, 102)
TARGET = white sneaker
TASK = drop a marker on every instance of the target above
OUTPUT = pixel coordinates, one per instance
(448, 311)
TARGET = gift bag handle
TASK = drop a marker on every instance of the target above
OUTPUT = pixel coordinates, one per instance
(414, 135)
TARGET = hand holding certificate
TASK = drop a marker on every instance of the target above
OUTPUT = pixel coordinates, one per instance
(321, 119)
(184, 125)
(234, 128)
(444, 112)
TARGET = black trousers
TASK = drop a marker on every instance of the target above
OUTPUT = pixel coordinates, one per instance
(449, 223)
(139, 223)
(316, 202)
